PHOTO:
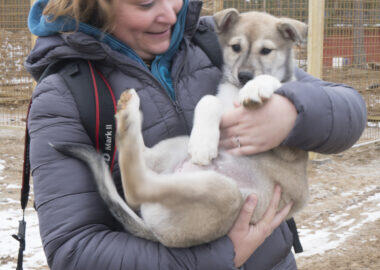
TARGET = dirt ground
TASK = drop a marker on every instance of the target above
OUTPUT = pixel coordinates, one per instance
(344, 211)
(340, 228)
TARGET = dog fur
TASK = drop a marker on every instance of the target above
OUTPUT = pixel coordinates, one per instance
(183, 199)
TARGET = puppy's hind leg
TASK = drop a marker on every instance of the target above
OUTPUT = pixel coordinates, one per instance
(140, 183)
(130, 146)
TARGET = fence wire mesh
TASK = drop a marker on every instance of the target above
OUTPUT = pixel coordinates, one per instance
(351, 45)
(351, 52)
(351, 49)
(15, 41)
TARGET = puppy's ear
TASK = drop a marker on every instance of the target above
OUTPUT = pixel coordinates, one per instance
(225, 19)
(294, 30)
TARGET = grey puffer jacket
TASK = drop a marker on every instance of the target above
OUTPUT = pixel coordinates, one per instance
(77, 230)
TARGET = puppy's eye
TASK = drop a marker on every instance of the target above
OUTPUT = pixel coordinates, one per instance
(265, 51)
(236, 47)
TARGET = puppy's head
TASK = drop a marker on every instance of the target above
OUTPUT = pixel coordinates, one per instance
(256, 43)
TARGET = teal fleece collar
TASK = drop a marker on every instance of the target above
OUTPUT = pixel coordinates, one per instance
(161, 66)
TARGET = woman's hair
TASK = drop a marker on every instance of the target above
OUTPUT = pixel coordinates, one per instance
(98, 13)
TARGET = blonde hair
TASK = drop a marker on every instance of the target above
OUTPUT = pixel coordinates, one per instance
(98, 13)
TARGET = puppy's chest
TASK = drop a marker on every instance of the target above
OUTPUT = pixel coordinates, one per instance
(228, 94)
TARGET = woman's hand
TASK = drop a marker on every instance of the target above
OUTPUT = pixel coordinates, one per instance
(247, 132)
(245, 237)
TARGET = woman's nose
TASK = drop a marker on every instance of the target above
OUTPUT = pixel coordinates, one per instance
(168, 14)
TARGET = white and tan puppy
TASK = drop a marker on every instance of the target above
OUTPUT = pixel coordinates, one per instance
(183, 204)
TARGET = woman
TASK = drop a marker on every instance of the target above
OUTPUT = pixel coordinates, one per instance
(146, 45)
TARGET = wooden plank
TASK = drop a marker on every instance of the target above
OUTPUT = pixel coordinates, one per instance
(315, 43)
(218, 5)
(374, 118)
(33, 41)
(315, 37)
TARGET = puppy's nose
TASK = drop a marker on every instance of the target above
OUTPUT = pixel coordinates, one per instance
(244, 77)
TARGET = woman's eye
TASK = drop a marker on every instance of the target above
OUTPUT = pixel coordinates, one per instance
(147, 5)
(236, 47)
(265, 51)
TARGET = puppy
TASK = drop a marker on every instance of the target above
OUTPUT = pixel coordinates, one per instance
(187, 192)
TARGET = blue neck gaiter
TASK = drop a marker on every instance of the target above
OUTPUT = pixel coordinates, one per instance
(161, 65)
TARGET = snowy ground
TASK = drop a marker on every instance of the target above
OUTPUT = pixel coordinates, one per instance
(34, 257)
(339, 229)
(11, 146)
(327, 238)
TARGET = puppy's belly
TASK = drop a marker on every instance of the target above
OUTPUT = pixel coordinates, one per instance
(241, 169)
(258, 174)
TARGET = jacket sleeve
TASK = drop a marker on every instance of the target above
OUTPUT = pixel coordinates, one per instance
(331, 117)
(77, 230)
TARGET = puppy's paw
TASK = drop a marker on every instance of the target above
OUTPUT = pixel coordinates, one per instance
(127, 99)
(128, 115)
(259, 90)
(203, 148)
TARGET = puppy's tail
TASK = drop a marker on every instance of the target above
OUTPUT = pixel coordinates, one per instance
(106, 187)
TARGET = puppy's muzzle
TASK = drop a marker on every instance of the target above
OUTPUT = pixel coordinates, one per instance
(244, 77)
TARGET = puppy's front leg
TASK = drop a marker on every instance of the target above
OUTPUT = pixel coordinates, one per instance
(204, 138)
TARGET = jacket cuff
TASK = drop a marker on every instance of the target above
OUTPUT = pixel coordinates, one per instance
(314, 122)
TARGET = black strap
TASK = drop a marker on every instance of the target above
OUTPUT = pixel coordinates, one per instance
(79, 81)
(97, 107)
(20, 237)
(25, 188)
(296, 240)
(207, 40)
(105, 111)
(95, 102)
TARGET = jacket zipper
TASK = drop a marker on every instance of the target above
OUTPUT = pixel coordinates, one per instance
(177, 107)
(176, 102)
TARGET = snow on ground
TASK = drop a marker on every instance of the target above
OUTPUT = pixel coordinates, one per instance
(33, 254)
(327, 238)
(2, 162)
(10, 216)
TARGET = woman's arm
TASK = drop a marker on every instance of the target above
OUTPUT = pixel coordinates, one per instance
(77, 230)
(309, 113)
(331, 116)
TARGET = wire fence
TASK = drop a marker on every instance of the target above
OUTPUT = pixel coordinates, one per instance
(351, 44)
(15, 42)
(351, 49)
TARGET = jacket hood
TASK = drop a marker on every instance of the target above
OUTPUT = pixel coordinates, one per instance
(90, 43)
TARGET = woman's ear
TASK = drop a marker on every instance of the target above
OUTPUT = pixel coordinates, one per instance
(225, 19)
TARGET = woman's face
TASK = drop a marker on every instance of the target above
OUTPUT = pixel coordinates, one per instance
(146, 25)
